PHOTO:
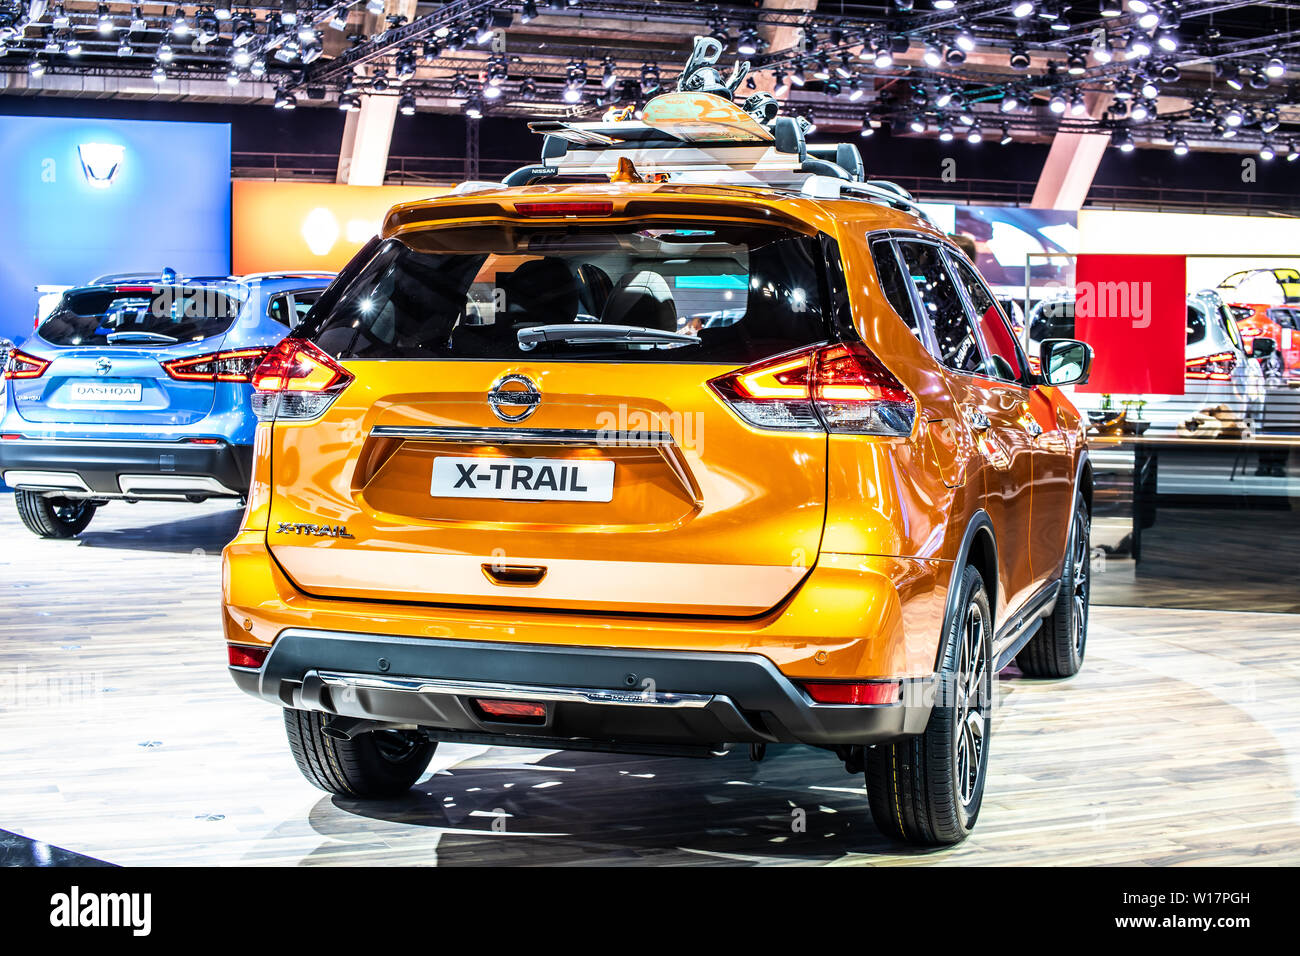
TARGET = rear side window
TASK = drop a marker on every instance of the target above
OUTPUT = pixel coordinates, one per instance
(1004, 357)
(958, 347)
(1283, 317)
(154, 314)
(290, 308)
(688, 292)
(894, 283)
(1195, 325)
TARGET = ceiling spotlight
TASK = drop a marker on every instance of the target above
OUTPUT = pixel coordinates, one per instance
(748, 43)
(1266, 150)
(124, 46)
(1010, 101)
(36, 67)
(221, 10)
(459, 85)
(1101, 51)
(232, 76)
(528, 12)
(375, 7)
(104, 20)
(1274, 67)
(1138, 6)
(1006, 135)
(349, 103)
(1167, 40)
(975, 134)
(964, 39)
(867, 128)
(1076, 64)
(406, 104)
(159, 73)
(1258, 79)
(918, 124)
(180, 25)
(1141, 110)
(1122, 140)
(1023, 8)
(933, 55)
(1019, 56)
(241, 57)
(137, 19)
(1112, 8)
(528, 88)
(1138, 46)
(258, 67)
(285, 101)
(1150, 89)
(1058, 103)
(73, 48)
(1269, 121)
(649, 78)
(1230, 74)
(1234, 115)
(1149, 20)
(1292, 152)
(1078, 106)
(955, 55)
(1180, 147)
(944, 4)
(946, 133)
(473, 108)
(609, 74)
(59, 19)
(165, 52)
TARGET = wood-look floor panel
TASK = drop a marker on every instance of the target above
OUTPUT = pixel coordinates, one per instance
(122, 738)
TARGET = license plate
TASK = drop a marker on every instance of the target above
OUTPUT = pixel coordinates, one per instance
(525, 479)
(106, 391)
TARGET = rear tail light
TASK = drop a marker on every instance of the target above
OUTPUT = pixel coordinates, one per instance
(246, 655)
(21, 365)
(232, 366)
(1217, 367)
(853, 692)
(840, 388)
(296, 381)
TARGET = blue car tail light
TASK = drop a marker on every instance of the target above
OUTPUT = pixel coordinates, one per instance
(236, 365)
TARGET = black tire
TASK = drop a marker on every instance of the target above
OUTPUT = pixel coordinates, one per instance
(1057, 649)
(382, 763)
(52, 516)
(927, 789)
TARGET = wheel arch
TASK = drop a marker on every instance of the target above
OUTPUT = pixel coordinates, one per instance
(979, 548)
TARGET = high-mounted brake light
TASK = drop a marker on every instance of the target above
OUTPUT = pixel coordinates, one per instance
(853, 692)
(841, 388)
(236, 365)
(1217, 367)
(549, 209)
(21, 365)
(296, 380)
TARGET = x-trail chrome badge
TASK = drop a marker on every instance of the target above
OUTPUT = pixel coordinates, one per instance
(315, 530)
(513, 398)
(104, 366)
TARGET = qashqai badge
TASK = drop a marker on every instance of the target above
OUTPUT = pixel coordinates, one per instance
(103, 366)
(513, 398)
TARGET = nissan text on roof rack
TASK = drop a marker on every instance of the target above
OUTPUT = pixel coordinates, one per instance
(687, 438)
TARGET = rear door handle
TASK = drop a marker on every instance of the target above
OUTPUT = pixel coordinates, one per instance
(515, 575)
(975, 418)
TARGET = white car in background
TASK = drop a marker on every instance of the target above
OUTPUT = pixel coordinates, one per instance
(1219, 370)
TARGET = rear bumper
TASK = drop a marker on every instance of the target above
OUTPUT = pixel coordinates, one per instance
(117, 469)
(604, 697)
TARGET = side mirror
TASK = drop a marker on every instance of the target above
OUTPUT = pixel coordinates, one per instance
(1262, 347)
(1065, 361)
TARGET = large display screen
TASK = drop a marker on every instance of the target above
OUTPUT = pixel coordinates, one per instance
(82, 198)
(310, 226)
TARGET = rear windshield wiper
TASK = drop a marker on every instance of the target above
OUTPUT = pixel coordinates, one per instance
(140, 336)
(599, 334)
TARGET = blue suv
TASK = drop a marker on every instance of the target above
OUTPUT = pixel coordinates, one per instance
(137, 387)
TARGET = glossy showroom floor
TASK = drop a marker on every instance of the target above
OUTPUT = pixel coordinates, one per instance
(122, 740)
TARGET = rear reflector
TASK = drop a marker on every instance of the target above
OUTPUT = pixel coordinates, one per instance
(296, 380)
(846, 692)
(547, 209)
(21, 365)
(512, 709)
(245, 655)
(841, 388)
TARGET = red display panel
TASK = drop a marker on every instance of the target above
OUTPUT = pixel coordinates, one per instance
(1132, 310)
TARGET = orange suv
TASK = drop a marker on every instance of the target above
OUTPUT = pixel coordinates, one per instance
(661, 468)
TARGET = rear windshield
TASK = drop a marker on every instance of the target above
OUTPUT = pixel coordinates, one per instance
(135, 315)
(688, 292)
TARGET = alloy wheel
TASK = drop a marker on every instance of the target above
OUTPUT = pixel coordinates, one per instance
(972, 703)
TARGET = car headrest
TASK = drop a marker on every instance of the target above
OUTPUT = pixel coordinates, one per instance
(540, 290)
(644, 299)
